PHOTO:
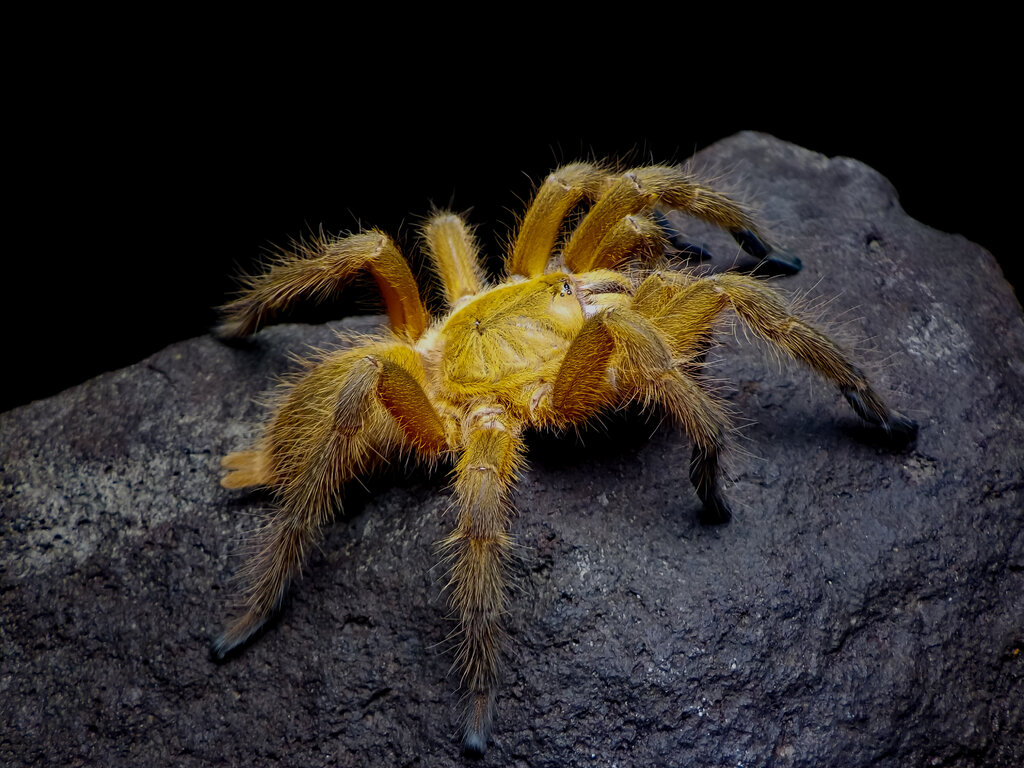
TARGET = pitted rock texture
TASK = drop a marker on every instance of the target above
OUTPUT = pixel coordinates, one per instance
(864, 607)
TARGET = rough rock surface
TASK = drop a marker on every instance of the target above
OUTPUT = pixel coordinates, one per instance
(863, 608)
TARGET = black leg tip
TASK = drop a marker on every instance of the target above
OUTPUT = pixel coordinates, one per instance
(219, 649)
(715, 511)
(690, 251)
(771, 261)
(900, 430)
(779, 263)
(238, 634)
(474, 745)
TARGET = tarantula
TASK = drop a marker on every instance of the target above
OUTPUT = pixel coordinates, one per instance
(579, 324)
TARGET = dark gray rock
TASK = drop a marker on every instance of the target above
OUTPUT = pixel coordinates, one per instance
(864, 607)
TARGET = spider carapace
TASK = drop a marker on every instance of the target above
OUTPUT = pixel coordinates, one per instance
(588, 317)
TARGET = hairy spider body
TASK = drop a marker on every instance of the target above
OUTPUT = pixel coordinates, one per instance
(579, 325)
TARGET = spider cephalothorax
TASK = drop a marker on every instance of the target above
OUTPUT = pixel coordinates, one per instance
(579, 324)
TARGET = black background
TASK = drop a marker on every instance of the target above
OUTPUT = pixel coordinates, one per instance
(137, 201)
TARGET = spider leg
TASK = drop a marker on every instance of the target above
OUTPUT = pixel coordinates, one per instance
(341, 417)
(703, 419)
(637, 191)
(455, 255)
(317, 268)
(677, 240)
(479, 548)
(685, 309)
(773, 262)
(633, 238)
(619, 356)
(561, 192)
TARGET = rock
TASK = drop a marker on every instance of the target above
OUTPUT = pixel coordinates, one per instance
(863, 608)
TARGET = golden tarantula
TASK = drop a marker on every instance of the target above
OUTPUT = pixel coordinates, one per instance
(578, 325)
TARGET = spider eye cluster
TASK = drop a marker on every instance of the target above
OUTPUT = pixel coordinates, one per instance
(566, 288)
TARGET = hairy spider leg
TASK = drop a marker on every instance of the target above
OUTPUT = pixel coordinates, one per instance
(454, 253)
(320, 266)
(478, 550)
(343, 416)
(633, 238)
(583, 387)
(704, 420)
(620, 356)
(561, 191)
(638, 190)
(686, 309)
